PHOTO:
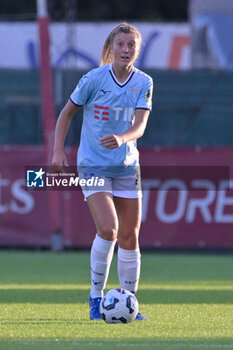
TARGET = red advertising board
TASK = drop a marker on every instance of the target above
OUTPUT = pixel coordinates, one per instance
(178, 212)
(200, 212)
(23, 215)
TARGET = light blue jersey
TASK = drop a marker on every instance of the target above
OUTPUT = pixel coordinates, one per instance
(109, 108)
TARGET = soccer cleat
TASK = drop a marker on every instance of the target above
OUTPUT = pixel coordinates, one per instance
(94, 304)
(139, 317)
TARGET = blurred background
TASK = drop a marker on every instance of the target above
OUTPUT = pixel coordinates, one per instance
(188, 50)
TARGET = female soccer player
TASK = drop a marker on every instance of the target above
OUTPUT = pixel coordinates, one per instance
(117, 101)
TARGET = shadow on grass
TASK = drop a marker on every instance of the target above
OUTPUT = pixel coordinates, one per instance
(164, 296)
(139, 343)
(43, 321)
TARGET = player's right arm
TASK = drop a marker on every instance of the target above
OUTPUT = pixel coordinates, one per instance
(62, 127)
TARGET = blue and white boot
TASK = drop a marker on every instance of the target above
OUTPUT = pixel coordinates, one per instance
(139, 317)
(94, 304)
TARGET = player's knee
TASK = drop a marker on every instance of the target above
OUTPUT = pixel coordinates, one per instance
(129, 241)
(108, 232)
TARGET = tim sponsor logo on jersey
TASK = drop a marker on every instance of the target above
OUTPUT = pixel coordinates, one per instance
(120, 113)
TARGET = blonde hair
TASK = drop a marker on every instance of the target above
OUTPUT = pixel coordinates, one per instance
(106, 55)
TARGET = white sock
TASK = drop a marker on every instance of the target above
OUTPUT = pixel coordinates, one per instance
(129, 265)
(101, 258)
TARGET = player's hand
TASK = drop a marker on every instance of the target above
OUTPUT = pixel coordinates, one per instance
(59, 160)
(111, 141)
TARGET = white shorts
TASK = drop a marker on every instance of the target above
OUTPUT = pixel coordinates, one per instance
(124, 187)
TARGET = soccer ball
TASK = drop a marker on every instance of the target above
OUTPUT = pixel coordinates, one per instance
(118, 306)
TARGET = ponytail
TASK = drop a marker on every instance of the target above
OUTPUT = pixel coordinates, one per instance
(106, 55)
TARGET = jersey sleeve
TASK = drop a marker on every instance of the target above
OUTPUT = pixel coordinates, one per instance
(145, 98)
(83, 90)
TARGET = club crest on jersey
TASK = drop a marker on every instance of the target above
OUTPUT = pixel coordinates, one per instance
(148, 95)
(133, 89)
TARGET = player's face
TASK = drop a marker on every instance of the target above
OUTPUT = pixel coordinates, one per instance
(125, 49)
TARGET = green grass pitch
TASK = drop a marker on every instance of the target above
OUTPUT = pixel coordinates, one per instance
(43, 303)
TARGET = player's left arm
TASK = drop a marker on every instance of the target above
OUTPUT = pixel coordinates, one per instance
(133, 133)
